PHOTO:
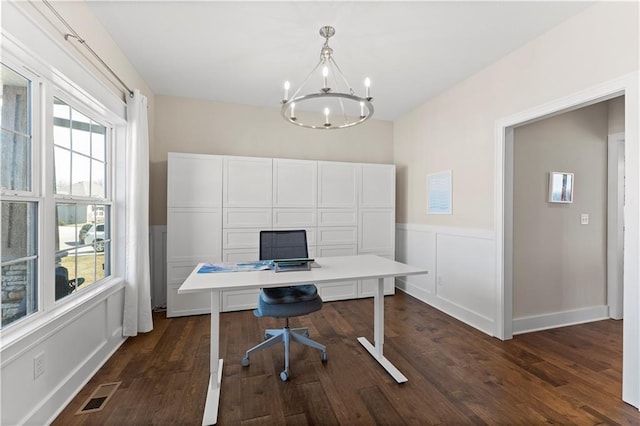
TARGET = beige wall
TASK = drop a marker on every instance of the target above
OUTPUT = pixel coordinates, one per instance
(559, 264)
(456, 129)
(195, 126)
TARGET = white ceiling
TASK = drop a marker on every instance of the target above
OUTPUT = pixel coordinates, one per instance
(242, 52)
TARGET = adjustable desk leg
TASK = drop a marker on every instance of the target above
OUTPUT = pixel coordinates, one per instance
(210, 416)
(378, 335)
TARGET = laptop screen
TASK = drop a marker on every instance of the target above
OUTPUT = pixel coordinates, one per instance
(283, 245)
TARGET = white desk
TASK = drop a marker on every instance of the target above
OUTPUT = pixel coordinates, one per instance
(331, 269)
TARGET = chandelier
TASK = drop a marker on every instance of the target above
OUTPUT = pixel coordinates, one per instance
(334, 105)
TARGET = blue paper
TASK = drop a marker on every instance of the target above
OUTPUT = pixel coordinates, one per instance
(260, 265)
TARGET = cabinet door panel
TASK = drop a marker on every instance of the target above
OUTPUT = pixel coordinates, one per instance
(240, 238)
(338, 290)
(294, 183)
(179, 305)
(368, 288)
(194, 180)
(193, 234)
(337, 217)
(329, 251)
(293, 218)
(376, 232)
(247, 182)
(259, 218)
(240, 255)
(337, 184)
(177, 272)
(377, 185)
(337, 235)
(239, 300)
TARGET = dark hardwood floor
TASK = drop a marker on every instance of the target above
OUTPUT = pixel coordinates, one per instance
(457, 375)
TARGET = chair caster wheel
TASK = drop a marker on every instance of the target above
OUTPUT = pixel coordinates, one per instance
(245, 361)
(305, 334)
(324, 357)
(284, 376)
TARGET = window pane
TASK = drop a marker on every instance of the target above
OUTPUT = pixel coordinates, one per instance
(98, 134)
(97, 184)
(81, 141)
(62, 136)
(15, 102)
(15, 148)
(62, 170)
(19, 221)
(66, 274)
(19, 248)
(70, 218)
(15, 166)
(19, 291)
(80, 175)
(83, 246)
(79, 117)
(61, 110)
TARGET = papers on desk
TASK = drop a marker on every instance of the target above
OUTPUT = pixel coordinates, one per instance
(261, 265)
(278, 265)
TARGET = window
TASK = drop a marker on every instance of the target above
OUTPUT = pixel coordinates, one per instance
(82, 208)
(19, 250)
(56, 233)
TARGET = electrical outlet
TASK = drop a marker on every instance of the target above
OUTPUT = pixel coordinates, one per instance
(38, 365)
(584, 219)
(440, 280)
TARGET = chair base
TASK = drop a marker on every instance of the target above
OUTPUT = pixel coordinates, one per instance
(285, 335)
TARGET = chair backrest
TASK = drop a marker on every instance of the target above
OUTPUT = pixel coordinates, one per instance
(283, 244)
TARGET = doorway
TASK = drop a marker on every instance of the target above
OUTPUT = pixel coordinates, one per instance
(560, 250)
(627, 86)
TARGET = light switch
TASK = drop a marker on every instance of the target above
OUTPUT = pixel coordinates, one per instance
(584, 219)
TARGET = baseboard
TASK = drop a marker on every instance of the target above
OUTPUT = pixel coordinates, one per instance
(559, 319)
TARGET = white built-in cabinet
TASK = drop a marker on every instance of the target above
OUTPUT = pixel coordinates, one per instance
(217, 206)
(194, 225)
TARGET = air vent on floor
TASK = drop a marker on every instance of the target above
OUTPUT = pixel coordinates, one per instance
(99, 398)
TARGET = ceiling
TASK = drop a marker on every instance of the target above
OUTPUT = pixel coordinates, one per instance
(242, 52)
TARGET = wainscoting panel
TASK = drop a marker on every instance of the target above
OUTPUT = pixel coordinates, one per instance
(72, 347)
(158, 256)
(461, 262)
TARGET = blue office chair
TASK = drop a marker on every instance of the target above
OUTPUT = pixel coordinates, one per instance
(286, 302)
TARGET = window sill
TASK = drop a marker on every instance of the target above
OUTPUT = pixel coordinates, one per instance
(38, 321)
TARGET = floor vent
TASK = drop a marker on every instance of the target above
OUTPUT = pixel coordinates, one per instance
(99, 398)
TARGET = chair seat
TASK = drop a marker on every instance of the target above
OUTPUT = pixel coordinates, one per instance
(293, 294)
(285, 302)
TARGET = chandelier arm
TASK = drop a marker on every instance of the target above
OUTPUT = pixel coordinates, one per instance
(344, 79)
(305, 81)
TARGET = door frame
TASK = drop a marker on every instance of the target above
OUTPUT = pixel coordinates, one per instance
(615, 224)
(503, 207)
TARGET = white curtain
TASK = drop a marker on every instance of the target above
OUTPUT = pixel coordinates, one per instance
(137, 297)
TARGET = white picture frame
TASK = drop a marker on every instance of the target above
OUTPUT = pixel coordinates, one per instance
(561, 186)
(439, 193)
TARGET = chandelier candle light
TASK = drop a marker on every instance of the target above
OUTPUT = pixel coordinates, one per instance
(329, 107)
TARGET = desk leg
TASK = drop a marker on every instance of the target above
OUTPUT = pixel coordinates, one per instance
(378, 335)
(210, 416)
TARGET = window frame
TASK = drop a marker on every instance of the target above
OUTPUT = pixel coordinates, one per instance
(34, 195)
(45, 85)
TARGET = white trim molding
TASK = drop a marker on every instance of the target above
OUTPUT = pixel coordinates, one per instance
(628, 86)
(559, 319)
